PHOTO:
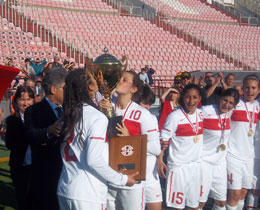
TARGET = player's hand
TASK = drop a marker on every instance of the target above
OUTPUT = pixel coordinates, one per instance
(1, 114)
(201, 79)
(131, 179)
(105, 104)
(122, 129)
(161, 168)
(164, 145)
(218, 80)
(55, 129)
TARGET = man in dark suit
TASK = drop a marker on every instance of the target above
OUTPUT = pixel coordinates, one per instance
(43, 126)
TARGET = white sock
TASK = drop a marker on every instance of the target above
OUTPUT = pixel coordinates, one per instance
(240, 204)
(215, 207)
(231, 207)
(252, 201)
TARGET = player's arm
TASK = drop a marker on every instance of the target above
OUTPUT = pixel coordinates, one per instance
(95, 155)
(161, 165)
(149, 126)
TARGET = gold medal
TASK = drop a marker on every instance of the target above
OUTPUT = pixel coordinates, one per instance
(196, 139)
(222, 147)
(250, 132)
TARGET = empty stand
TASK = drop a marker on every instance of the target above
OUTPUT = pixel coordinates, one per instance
(142, 42)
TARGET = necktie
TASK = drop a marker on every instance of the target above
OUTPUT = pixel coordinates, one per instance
(59, 111)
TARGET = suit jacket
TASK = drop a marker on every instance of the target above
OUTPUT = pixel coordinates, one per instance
(16, 140)
(46, 157)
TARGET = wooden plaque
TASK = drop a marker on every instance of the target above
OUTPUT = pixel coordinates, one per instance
(128, 155)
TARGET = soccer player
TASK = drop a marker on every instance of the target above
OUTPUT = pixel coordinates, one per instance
(153, 191)
(215, 137)
(85, 173)
(184, 128)
(253, 195)
(136, 121)
(240, 156)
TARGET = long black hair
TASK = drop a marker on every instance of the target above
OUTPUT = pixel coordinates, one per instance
(75, 95)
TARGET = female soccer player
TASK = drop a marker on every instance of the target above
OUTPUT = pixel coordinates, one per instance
(153, 191)
(85, 173)
(215, 138)
(240, 156)
(184, 128)
(137, 120)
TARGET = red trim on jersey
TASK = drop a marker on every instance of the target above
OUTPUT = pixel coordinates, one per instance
(169, 197)
(167, 129)
(97, 138)
(133, 127)
(67, 150)
(186, 130)
(152, 130)
(251, 207)
(241, 115)
(213, 124)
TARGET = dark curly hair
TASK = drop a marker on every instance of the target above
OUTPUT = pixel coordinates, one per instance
(233, 93)
(75, 95)
(188, 87)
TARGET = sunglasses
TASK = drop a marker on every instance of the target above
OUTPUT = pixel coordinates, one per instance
(207, 77)
(185, 78)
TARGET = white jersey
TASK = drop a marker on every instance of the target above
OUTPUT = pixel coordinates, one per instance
(183, 147)
(85, 170)
(139, 121)
(151, 169)
(257, 137)
(216, 132)
(241, 144)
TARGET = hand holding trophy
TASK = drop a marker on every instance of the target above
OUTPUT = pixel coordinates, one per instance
(127, 154)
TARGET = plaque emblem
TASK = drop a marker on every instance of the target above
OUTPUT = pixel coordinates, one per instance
(127, 150)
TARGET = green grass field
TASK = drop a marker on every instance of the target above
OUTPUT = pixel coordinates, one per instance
(7, 196)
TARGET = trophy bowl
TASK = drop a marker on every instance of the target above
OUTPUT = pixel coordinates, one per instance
(108, 71)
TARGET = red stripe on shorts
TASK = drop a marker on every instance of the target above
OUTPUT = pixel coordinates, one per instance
(142, 205)
(169, 198)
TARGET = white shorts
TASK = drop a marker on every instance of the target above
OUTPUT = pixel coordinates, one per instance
(127, 199)
(183, 186)
(214, 181)
(256, 179)
(70, 204)
(153, 192)
(240, 174)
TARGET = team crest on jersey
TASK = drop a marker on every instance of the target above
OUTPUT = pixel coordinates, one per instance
(127, 150)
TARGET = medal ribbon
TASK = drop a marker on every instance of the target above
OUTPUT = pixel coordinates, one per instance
(194, 128)
(223, 127)
(251, 118)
